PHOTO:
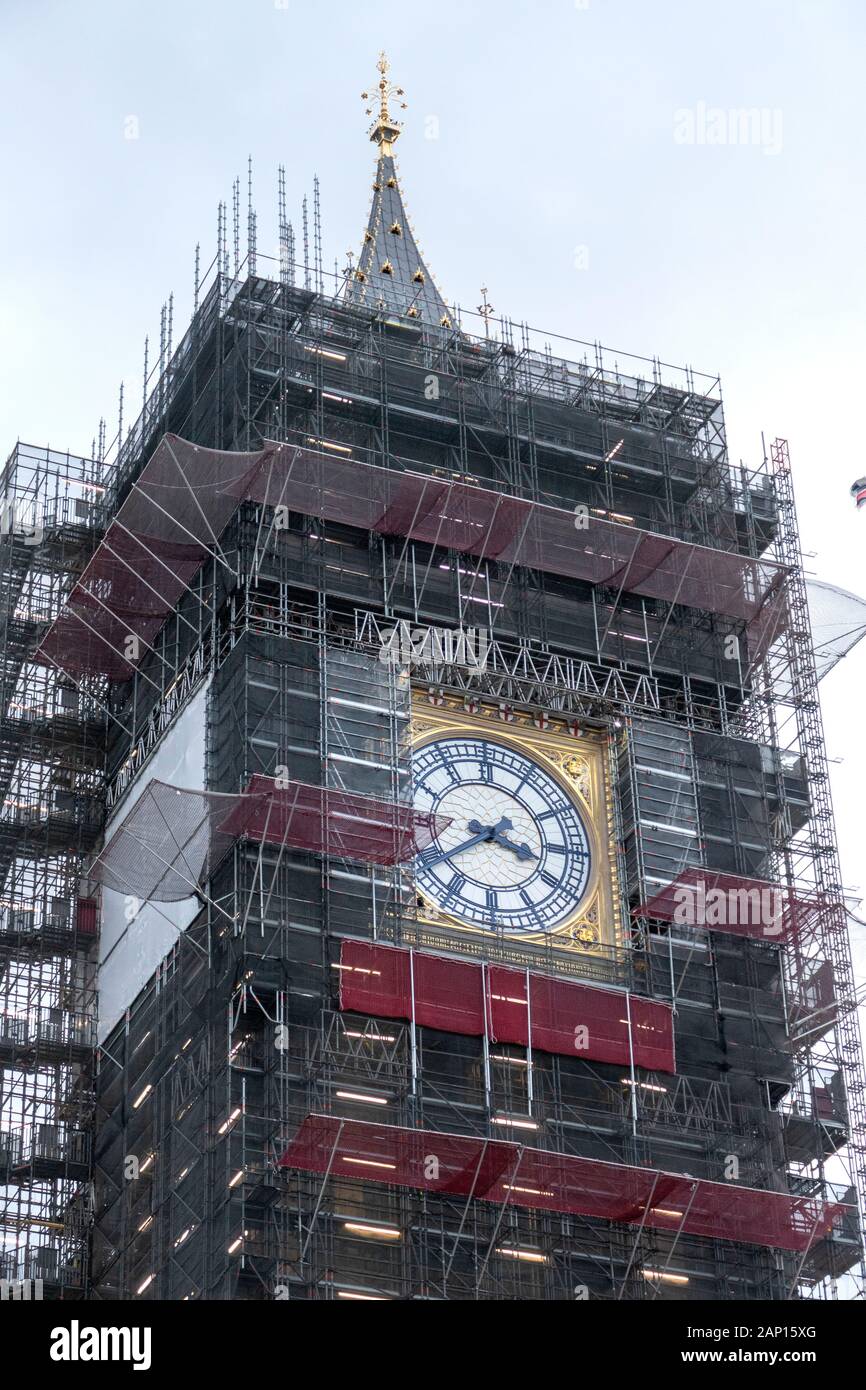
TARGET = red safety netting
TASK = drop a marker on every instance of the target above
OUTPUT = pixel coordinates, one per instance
(155, 545)
(173, 839)
(503, 1172)
(741, 906)
(185, 495)
(455, 996)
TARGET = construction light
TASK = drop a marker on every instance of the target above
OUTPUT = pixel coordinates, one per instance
(358, 1228)
(237, 1177)
(371, 1163)
(235, 1244)
(146, 1285)
(515, 1124)
(511, 1252)
(370, 1037)
(230, 1121)
(362, 1297)
(143, 1097)
(331, 444)
(528, 1191)
(327, 352)
(368, 1100)
(663, 1277)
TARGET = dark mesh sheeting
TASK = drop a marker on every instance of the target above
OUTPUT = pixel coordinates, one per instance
(172, 839)
(500, 1171)
(739, 906)
(186, 495)
(561, 1016)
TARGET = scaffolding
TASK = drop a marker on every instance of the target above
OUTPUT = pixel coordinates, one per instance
(52, 753)
(310, 471)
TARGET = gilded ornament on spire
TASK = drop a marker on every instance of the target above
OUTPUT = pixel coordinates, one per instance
(384, 130)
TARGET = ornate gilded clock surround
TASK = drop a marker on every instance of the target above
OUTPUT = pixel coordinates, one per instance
(580, 766)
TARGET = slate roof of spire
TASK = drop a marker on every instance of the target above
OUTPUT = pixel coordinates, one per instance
(391, 273)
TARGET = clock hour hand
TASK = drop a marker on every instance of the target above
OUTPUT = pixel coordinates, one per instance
(522, 850)
(490, 831)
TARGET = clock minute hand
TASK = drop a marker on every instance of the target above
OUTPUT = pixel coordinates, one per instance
(484, 834)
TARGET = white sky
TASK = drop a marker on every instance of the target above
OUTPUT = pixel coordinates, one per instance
(557, 129)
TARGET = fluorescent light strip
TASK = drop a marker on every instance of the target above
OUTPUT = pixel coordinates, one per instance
(363, 1297)
(371, 1163)
(664, 1278)
(358, 1228)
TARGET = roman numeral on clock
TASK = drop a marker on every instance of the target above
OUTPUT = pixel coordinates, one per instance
(454, 888)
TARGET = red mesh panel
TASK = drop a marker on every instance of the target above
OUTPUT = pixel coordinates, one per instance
(508, 1015)
(326, 821)
(374, 980)
(185, 496)
(653, 1033)
(499, 1171)
(740, 906)
(566, 1017)
(378, 980)
(86, 916)
(448, 995)
(157, 541)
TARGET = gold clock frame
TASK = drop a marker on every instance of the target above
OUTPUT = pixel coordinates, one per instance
(580, 766)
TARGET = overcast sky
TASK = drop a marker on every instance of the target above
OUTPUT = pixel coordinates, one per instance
(577, 171)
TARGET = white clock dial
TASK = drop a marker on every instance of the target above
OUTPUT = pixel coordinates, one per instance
(516, 855)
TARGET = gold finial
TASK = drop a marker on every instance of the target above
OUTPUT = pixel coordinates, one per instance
(384, 130)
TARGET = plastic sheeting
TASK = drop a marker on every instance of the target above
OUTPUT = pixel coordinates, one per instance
(173, 839)
(185, 496)
(838, 622)
(739, 906)
(503, 1172)
(510, 1006)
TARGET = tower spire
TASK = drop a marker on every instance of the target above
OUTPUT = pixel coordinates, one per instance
(391, 274)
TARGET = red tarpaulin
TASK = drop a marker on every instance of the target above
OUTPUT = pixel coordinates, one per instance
(185, 496)
(504, 1172)
(564, 1016)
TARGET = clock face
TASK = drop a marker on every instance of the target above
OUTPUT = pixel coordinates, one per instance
(516, 855)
